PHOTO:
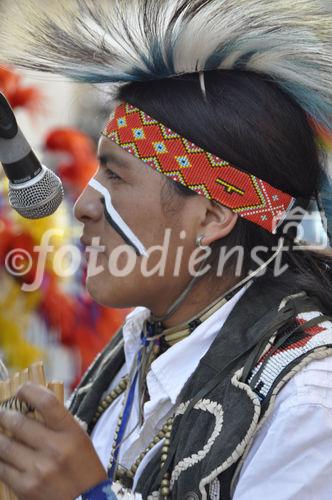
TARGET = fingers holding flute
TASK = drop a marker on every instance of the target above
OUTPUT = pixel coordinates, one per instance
(51, 457)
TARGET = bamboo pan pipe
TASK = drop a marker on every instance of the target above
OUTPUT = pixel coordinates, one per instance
(8, 388)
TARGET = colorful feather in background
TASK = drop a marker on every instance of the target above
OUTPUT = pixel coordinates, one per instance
(59, 312)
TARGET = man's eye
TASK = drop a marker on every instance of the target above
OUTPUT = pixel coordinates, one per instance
(104, 164)
(110, 174)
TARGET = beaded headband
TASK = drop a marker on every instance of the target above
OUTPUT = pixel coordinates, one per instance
(183, 161)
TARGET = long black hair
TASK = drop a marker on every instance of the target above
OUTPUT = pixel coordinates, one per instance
(249, 121)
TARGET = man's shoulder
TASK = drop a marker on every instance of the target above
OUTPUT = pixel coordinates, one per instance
(312, 385)
(304, 338)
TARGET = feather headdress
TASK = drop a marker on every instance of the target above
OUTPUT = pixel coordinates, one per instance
(126, 40)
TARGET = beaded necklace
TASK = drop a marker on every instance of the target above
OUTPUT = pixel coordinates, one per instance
(157, 340)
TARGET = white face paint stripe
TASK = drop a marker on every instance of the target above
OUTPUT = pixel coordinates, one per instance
(117, 217)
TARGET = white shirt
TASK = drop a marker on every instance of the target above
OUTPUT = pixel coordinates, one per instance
(290, 456)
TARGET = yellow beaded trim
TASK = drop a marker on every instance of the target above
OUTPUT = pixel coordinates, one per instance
(126, 476)
(108, 400)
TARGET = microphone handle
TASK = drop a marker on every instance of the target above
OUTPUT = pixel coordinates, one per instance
(23, 170)
(19, 162)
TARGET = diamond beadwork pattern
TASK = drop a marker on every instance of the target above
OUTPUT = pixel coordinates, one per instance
(170, 154)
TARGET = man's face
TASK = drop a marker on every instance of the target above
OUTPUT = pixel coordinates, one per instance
(137, 194)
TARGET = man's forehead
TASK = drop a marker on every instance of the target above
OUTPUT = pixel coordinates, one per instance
(110, 150)
(104, 143)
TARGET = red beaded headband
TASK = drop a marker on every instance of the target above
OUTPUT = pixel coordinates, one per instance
(170, 154)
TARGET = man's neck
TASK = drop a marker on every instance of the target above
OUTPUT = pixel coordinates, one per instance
(203, 293)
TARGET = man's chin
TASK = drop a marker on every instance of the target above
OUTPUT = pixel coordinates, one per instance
(105, 296)
(97, 291)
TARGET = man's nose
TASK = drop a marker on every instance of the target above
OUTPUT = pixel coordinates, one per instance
(88, 206)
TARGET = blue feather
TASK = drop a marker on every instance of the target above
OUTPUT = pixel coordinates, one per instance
(325, 192)
(142, 40)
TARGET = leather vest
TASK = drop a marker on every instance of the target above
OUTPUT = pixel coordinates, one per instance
(264, 341)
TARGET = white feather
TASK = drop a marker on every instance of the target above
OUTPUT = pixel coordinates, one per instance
(122, 40)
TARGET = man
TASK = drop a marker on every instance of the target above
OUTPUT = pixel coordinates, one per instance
(191, 216)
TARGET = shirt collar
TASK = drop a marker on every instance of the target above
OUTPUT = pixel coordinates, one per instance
(171, 370)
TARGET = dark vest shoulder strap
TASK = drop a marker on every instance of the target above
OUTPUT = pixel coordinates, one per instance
(97, 378)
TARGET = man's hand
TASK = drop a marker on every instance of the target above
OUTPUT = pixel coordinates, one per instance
(53, 459)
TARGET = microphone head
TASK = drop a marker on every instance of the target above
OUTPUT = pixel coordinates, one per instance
(37, 198)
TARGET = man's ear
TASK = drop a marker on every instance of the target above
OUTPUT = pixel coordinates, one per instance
(219, 222)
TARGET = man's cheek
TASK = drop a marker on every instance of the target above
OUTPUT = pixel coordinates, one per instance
(122, 261)
(116, 221)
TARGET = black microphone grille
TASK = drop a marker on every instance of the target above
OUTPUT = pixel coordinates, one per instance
(38, 198)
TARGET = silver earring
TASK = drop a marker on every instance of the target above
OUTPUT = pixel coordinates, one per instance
(202, 84)
(199, 241)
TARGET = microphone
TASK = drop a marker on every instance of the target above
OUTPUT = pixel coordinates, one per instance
(34, 190)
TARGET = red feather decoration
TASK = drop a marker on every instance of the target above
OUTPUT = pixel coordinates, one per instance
(18, 95)
(82, 163)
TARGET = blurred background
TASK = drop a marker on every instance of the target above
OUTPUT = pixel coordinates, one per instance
(57, 323)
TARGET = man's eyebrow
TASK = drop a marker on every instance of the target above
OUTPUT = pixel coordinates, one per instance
(111, 158)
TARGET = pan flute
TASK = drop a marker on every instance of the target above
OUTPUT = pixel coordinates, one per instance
(8, 388)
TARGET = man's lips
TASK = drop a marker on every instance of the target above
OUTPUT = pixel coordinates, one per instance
(89, 243)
